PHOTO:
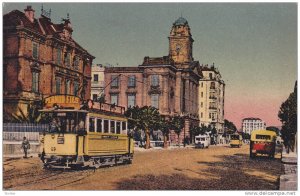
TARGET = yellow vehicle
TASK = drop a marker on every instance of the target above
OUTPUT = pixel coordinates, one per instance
(262, 142)
(236, 140)
(90, 136)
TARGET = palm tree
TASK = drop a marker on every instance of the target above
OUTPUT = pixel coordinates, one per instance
(144, 118)
(177, 125)
(164, 126)
(32, 116)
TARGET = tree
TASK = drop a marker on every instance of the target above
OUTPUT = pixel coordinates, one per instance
(288, 116)
(177, 124)
(229, 126)
(32, 116)
(164, 126)
(275, 129)
(145, 118)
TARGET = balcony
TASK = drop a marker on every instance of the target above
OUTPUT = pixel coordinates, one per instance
(98, 84)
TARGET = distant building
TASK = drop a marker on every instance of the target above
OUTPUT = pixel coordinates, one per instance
(169, 83)
(211, 99)
(251, 124)
(97, 84)
(40, 59)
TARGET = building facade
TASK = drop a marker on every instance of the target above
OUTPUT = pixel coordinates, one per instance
(212, 99)
(169, 83)
(251, 124)
(40, 59)
(97, 84)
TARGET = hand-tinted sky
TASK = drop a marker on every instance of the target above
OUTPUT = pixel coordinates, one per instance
(253, 45)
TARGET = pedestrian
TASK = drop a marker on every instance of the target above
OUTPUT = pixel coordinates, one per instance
(25, 146)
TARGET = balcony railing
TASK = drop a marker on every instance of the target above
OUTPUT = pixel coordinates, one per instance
(98, 83)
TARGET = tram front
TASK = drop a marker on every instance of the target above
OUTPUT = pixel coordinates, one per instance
(63, 143)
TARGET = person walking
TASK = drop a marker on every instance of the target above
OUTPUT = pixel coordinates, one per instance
(25, 146)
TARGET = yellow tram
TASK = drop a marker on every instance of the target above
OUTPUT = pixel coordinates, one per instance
(88, 135)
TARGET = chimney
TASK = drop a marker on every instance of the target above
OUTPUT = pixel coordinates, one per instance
(29, 13)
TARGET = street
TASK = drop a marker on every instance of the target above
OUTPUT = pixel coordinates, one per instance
(215, 168)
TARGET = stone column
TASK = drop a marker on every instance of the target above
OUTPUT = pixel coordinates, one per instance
(187, 96)
(178, 93)
(165, 93)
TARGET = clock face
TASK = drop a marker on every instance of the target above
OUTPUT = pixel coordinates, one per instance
(178, 47)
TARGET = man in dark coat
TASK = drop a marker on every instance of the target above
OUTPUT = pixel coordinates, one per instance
(25, 146)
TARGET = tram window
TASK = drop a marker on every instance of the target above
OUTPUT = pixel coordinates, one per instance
(112, 126)
(99, 125)
(105, 126)
(92, 125)
(118, 127)
(124, 127)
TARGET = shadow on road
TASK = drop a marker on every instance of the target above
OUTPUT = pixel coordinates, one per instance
(237, 172)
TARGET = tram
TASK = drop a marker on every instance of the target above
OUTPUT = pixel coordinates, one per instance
(236, 140)
(84, 134)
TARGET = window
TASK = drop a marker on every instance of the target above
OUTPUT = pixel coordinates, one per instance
(99, 125)
(114, 81)
(118, 127)
(58, 56)
(94, 97)
(112, 126)
(76, 62)
(212, 85)
(201, 94)
(92, 125)
(154, 80)
(201, 84)
(67, 87)
(201, 114)
(114, 99)
(131, 100)
(106, 126)
(35, 51)
(68, 59)
(58, 85)
(76, 88)
(131, 81)
(124, 127)
(95, 77)
(154, 100)
(35, 82)
(210, 75)
(201, 104)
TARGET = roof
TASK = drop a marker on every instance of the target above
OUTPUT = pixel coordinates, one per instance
(42, 25)
(165, 60)
(180, 21)
(122, 69)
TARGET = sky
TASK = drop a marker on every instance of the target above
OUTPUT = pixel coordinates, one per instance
(254, 45)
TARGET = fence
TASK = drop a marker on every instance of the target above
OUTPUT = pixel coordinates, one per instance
(13, 134)
(16, 131)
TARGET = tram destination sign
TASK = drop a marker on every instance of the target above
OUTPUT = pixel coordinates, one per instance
(63, 101)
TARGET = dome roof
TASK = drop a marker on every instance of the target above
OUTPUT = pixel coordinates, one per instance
(180, 21)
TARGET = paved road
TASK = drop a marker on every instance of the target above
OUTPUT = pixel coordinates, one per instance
(215, 168)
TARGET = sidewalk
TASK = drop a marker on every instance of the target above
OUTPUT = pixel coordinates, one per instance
(172, 147)
(288, 181)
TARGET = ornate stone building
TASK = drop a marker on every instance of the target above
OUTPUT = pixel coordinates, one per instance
(40, 59)
(211, 99)
(169, 83)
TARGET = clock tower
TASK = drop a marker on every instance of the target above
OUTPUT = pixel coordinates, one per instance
(181, 42)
